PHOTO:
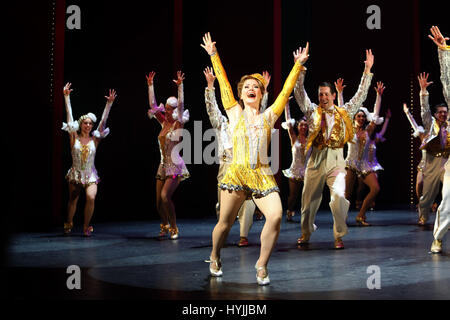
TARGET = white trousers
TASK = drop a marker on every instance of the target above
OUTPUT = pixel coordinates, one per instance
(433, 175)
(325, 166)
(442, 222)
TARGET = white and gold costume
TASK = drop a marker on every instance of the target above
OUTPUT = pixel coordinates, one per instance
(437, 146)
(329, 131)
(442, 222)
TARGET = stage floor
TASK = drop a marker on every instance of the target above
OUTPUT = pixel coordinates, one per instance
(127, 261)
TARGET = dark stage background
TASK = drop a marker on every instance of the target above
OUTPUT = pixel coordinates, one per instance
(119, 43)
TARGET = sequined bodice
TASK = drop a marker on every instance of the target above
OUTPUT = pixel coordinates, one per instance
(166, 143)
(83, 155)
(298, 156)
(250, 142)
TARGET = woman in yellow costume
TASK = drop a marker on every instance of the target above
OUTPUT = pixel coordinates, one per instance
(249, 175)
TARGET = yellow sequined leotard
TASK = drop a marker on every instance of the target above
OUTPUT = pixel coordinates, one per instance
(249, 170)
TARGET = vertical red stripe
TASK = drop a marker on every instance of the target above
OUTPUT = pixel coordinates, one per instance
(57, 107)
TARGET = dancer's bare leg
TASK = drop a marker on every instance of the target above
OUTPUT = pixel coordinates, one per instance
(371, 181)
(91, 193)
(230, 202)
(271, 207)
(74, 195)
(170, 185)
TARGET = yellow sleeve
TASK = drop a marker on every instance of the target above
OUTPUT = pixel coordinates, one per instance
(226, 92)
(278, 106)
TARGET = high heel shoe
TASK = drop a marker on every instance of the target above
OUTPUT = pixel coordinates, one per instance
(163, 230)
(174, 234)
(362, 222)
(289, 215)
(68, 227)
(215, 272)
(262, 281)
(88, 231)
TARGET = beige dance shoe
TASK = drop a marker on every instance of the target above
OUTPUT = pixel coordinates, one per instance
(436, 246)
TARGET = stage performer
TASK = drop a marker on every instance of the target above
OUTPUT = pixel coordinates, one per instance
(442, 221)
(330, 128)
(171, 170)
(419, 132)
(83, 146)
(296, 172)
(361, 161)
(437, 146)
(249, 175)
(225, 149)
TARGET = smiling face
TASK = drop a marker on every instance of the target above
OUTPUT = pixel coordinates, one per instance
(441, 113)
(326, 97)
(302, 127)
(360, 118)
(250, 91)
(86, 126)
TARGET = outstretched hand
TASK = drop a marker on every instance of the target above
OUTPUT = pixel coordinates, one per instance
(209, 76)
(339, 84)
(208, 44)
(369, 60)
(266, 75)
(302, 54)
(180, 78)
(405, 108)
(423, 81)
(437, 37)
(150, 77)
(67, 89)
(379, 88)
(112, 96)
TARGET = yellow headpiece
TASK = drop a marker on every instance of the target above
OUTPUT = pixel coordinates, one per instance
(259, 77)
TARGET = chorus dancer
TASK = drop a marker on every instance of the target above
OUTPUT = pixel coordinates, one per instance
(330, 128)
(437, 146)
(419, 132)
(225, 149)
(361, 161)
(442, 221)
(298, 135)
(249, 175)
(83, 175)
(172, 169)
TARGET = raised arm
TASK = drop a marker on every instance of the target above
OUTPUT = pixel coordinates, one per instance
(418, 130)
(376, 109)
(361, 94)
(180, 115)
(226, 92)
(380, 135)
(155, 111)
(101, 132)
(339, 84)
(265, 97)
(303, 101)
(425, 112)
(276, 109)
(67, 92)
(290, 123)
(212, 108)
(444, 60)
(71, 126)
